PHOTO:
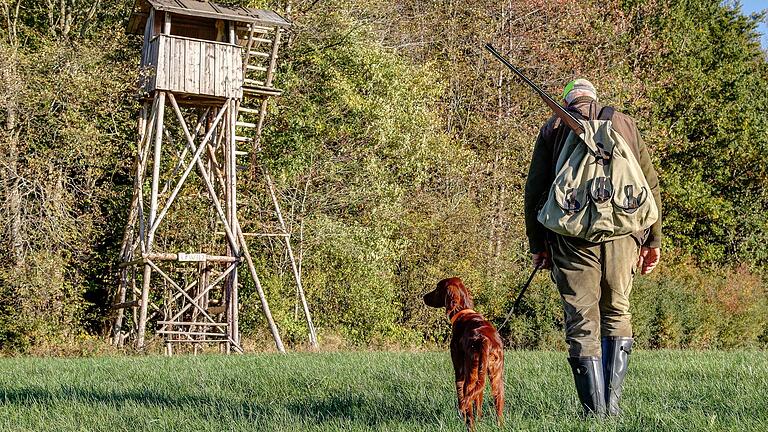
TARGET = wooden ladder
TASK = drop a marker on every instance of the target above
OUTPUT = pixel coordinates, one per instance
(260, 46)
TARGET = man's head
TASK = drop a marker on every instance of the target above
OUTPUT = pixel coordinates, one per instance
(578, 88)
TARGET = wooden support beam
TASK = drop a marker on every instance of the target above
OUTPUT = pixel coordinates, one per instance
(249, 234)
(259, 289)
(201, 168)
(191, 333)
(181, 257)
(173, 341)
(296, 274)
(232, 145)
(123, 305)
(189, 323)
(142, 325)
(194, 162)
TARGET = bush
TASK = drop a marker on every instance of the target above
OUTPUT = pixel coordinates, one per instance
(688, 307)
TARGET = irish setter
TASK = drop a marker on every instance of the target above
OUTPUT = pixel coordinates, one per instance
(476, 350)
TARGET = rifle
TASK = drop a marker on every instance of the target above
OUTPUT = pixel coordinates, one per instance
(564, 115)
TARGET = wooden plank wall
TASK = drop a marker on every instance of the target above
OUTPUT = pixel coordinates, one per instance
(195, 67)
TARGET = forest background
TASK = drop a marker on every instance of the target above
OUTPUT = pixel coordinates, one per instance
(400, 149)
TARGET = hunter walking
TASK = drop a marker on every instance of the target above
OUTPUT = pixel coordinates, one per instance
(593, 215)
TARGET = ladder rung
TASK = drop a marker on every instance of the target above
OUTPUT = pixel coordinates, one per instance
(260, 40)
(245, 124)
(249, 81)
(258, 54)
(256, 29)
(241, 153)
(256, 68)
(242, 139)
(260, 90)
(249, 110)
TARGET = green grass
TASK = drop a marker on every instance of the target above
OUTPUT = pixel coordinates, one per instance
(360, 391)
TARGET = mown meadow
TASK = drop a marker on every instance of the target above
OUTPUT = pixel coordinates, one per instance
(668, 390)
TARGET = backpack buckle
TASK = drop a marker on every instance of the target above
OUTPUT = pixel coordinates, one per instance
(602, 157)
(632, 202)
(571, 205)
(601, 190)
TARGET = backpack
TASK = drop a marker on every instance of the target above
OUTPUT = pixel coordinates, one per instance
(600, 192)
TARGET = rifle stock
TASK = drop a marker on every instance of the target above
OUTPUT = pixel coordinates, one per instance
(559, 111)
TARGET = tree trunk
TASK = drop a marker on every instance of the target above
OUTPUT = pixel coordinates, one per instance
(11, 177)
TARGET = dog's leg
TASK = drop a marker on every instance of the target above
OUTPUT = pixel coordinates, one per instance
(477, 373)
(459, 377)
(459, 394)
(470, 377)
(475, 380)
(496, 371)
(459, 398)
(482, 373)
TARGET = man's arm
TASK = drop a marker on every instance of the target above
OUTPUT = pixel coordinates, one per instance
(537, 187)
(650, 252)
(646, 164)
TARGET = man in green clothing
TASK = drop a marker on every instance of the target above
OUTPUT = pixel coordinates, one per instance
(594, 279)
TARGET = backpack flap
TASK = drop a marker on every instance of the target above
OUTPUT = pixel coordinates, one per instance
(634, 206)
(565, 210)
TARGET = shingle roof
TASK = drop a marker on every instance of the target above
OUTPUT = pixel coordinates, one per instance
(141, 8)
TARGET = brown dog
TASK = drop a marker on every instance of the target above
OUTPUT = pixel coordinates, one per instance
(476, 350)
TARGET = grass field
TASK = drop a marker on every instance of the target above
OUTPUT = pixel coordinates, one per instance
(360, 391)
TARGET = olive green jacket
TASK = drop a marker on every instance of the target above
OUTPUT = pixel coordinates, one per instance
(541, 173)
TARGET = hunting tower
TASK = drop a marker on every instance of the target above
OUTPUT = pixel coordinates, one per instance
(212, 67)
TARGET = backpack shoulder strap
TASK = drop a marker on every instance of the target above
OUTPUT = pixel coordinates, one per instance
(606, 113)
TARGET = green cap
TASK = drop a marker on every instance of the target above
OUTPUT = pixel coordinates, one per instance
(567, 89)
(581, 87)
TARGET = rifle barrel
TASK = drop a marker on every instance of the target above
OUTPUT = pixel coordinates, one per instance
(564, 115)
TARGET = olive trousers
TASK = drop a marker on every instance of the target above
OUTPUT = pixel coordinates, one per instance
(594, 280)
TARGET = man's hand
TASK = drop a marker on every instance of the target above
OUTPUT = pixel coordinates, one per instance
(542, 260)
(649, 258)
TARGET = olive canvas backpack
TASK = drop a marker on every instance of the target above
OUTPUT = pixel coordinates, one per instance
(600, 192)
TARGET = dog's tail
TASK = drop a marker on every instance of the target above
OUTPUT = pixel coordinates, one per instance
(477, 373)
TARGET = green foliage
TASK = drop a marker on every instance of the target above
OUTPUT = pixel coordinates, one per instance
(686, 307)
(709, 99)
(357, 127)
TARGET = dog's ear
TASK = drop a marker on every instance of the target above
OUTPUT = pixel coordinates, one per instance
(453, 298)
(457, 296)
(466, 298)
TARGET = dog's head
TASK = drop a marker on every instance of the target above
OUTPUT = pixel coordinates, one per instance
(450, 294)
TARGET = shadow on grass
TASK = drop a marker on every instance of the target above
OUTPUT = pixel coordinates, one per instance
(370, 410)
(116, 398)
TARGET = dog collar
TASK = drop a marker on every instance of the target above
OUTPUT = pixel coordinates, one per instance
(460, 313)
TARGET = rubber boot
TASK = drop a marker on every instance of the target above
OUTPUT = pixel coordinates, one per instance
(616, 350)
(588, 376)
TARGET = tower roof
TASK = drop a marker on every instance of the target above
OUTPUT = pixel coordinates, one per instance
(141, 8)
